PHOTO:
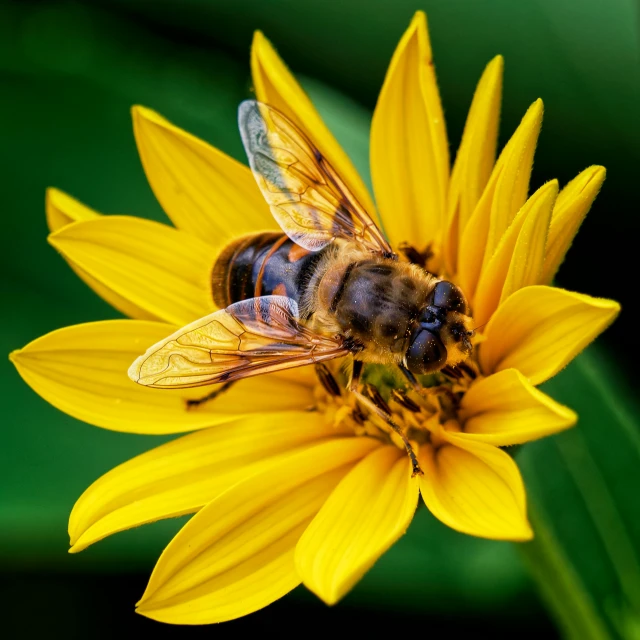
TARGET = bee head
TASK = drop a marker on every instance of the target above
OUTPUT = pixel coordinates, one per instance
(441, 335)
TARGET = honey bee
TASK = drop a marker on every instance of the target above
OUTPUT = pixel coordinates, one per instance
(327, 287)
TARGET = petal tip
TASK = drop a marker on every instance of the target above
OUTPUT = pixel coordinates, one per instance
(144, 115)
(495, 67)
(259, 38)
(261, 47)
(52, 194)
(144, 599)
(143, 611)
(419, 18)
(571, 417)
(74, 536)
(611, 307)
(328, 594)
(525, 535)
(157, 615)
(53, 238)
(141, 113)
(536, 110)
(331, 599)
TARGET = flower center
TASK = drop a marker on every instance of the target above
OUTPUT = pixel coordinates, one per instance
(421, 413)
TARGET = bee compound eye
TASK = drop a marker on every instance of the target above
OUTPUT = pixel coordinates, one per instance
(426, 352)
(448, 296)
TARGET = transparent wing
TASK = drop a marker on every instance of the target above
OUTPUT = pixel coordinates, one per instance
(247, 338)
(308, 199)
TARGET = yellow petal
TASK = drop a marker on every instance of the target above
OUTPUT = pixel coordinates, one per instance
(275, 85)
(82, 370)
(517, 262)
(572, 206)
(202, 190)
(409, 149)
(505, 408)
(236, 555)
(502, 198)
(252, 584)
(62, 210)
(183, 475)
(539, 330)
(475, 488)
(165, 272)
(528, 254)
(368, 511)
(475, 158)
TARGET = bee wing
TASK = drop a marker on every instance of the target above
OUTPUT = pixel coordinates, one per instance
(247, 338)
(308, 199)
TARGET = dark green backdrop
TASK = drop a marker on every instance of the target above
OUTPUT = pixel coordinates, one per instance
(70, 72)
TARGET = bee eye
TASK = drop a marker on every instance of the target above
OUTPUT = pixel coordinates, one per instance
(426, 352)
(447, 296)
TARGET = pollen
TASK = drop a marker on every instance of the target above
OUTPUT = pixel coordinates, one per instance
(421, 411)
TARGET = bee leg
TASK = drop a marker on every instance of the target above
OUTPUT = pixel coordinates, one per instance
(327, 380)
(356, 373)
(191, 404)
(384, 415)
(414, 255)
(410, 377)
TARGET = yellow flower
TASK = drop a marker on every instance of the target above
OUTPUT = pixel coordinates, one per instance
(290, 480)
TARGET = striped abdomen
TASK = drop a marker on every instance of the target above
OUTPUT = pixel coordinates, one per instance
(261, 265)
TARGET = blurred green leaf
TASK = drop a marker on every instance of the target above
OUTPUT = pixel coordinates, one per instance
(583, 486)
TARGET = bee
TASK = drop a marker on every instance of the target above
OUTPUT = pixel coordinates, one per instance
(330, 285)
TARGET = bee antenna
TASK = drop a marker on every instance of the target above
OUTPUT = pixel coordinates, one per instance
(480, 326)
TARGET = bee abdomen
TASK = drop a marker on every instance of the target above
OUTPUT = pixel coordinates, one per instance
(260, 265)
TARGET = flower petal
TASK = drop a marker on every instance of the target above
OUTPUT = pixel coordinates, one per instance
(505, 409)
(62, 210)
(474, 488)
(517, 262)
(528, 254)
(82, 370)
(475, 158)
(275, 85)
(253, 582)
(539, 330)
(183, 475)
(502, 198)
(409, 148)
(164, 272)
(368, 511)
(236, 555)
(573, 204)
(202, 190)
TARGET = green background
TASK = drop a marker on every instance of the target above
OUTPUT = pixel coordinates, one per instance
(71, 71)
